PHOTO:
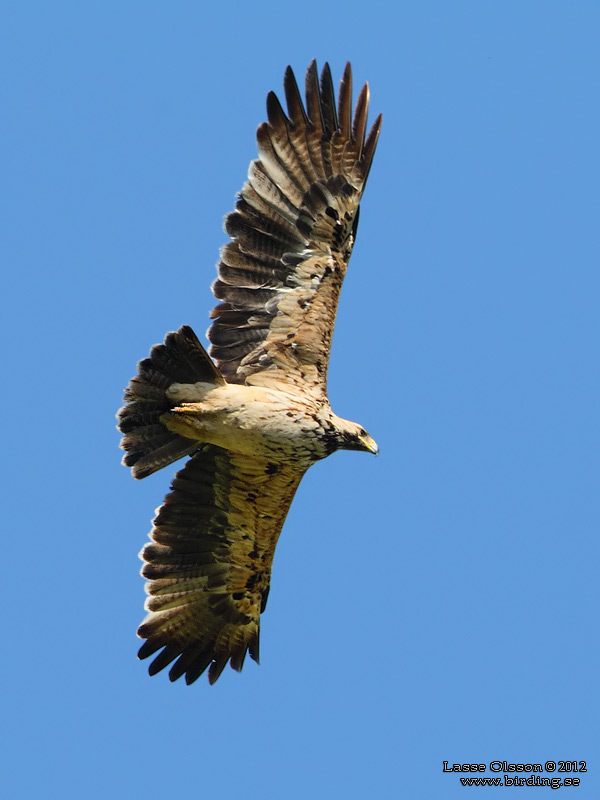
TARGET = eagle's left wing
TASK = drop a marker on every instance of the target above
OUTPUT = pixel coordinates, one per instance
(209, 562)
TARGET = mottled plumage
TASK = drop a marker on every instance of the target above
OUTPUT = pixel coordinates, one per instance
(257, 416)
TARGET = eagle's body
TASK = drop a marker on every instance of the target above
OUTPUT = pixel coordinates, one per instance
(256, 418)
(255, 421)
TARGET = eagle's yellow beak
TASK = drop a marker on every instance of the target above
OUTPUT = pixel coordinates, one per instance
(369, 444)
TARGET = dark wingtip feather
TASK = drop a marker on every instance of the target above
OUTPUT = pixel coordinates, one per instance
(371, 144)
(198, 666)
(313, 96)
(238, 656)
(149, 647)
(345, 102)
(275, 113)
(217, 667)
(254, 647)
(328, 109)
(293, 98)
(162, 660)
(359, 123)
(192, 662)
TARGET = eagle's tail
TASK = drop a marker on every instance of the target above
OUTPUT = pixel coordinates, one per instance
(149, 445)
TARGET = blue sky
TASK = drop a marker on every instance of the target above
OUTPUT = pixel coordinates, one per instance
(437, 603)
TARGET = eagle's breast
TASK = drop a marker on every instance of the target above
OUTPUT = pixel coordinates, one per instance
(285, 426)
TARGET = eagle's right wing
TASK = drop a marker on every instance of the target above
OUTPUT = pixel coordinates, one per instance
(293, 231)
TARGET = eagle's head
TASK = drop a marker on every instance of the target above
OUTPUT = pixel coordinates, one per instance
(352, 436)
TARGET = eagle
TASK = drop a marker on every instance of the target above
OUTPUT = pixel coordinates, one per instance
(253, 415)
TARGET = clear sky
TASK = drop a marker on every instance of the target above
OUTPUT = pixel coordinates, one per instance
(439, 602)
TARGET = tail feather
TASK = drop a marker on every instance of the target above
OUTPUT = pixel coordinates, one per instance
(149, 445)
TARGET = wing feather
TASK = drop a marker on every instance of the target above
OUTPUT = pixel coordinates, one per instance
(330, 120)
(208, 564)
(292, 235)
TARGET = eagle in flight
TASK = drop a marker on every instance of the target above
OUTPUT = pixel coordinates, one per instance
(254, 417)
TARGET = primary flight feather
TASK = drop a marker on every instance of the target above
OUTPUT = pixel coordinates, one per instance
(255, 416)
